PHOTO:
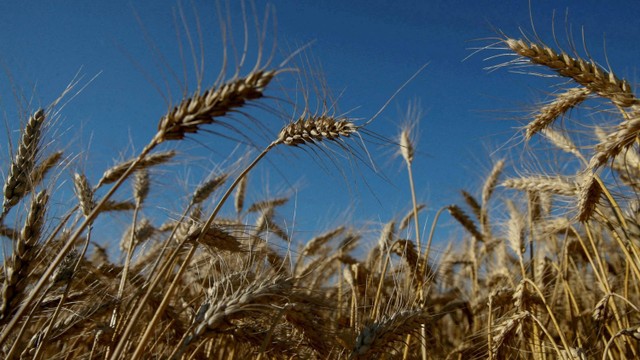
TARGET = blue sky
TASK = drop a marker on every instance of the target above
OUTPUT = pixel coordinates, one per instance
(367, 50)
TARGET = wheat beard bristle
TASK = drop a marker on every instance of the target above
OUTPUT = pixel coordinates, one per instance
(202, 109)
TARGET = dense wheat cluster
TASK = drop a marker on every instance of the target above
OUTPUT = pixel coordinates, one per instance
(550, 282)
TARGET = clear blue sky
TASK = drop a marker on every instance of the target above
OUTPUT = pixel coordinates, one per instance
(367, 49)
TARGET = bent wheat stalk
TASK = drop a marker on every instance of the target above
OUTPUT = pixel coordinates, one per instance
(306, 130)
(185, 118)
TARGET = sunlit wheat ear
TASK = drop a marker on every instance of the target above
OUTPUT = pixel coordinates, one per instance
(404, 223)
(143, 232)
(382, 336)
(584, 72)
(506, 330)
(562, 103)
(620, 140)
(203, 109)
(309, 130)
(240, 194)
(141, 186)
(464, 220)
(552, 185)
(17, 183)
(42, 169)
(84, 193)
(220, 311)
(23, 252)
(115, 172)
(589, 193)
(205, 190)
(473, 204)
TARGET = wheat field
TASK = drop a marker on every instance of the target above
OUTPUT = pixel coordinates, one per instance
(547, 265)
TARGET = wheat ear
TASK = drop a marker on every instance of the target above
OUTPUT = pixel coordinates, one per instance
(547, 114)
(23, 252)
(552, 185)
(617, 142)
(17, 183)
(585, 73)
(216, 102)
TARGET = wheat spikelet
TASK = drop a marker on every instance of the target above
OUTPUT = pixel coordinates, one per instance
(218, 238)
(312, 129)
(406, 146)
(585, 73)
(143, 232)
(205, 190)
(618, 141)
(216, 102)
(112, 205)
(17, 183)
(487, 191)
(64, 271)
(267, 204)
(378, 337)
(475, 206)
(141, 186)
(409, 216)
(115, 172)
(547, 114)
(319, 241)
(588, 197)
(464, 220)
(516, 229)
(240, 194)
(38, 174)
(505, 331)
(217, 313)
(84, 193)
(16, 269)
(543, 184)
(491, 182)
(562, 142)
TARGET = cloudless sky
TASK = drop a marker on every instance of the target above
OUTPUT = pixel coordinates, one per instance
(367, 50)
